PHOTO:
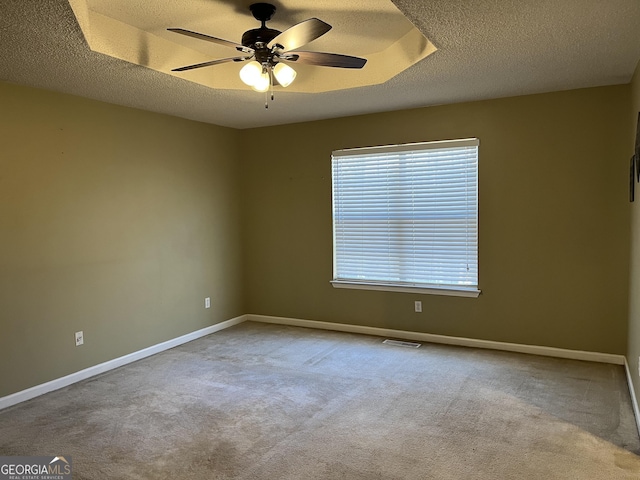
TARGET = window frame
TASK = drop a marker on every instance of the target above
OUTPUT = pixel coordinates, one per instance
(426, 288)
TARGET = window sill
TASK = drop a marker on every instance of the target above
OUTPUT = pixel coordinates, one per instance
(447, 291)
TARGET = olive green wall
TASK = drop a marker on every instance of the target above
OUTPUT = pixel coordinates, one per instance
(633, 348)
(119, 222)
(113, 221)
(554, 228)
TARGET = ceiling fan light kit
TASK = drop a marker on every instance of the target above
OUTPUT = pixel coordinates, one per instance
(250, 73)
(255, 75)
(284, 74)
(267, 49)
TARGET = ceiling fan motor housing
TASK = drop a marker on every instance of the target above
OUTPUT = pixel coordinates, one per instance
(258, 38)
(264, 35)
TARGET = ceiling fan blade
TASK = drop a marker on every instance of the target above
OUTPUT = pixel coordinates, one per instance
(323, 59)
(211, 39)
(300, 34)
(212, 62)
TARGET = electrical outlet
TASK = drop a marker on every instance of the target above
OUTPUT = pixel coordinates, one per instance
(418, 306)
(79, 338)
(207, 302)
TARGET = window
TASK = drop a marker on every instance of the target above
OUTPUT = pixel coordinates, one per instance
(405, 217)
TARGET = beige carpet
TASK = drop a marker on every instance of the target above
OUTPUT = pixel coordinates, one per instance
(261, 401)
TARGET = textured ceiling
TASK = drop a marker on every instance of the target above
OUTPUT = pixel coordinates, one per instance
(486, 49)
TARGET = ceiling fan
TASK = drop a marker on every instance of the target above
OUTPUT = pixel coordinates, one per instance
(267, 50)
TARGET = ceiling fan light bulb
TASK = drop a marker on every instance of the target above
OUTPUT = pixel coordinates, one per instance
(262, 83)
(284, 74)
(250, 73)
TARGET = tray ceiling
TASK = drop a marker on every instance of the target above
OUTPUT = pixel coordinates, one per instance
(374, 29)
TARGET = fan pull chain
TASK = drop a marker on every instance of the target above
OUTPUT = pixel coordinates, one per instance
(271, 82)
(266, 94)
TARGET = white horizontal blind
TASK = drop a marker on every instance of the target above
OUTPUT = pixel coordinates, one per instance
(407, 215)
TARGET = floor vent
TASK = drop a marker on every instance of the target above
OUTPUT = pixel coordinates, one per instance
(400, 343)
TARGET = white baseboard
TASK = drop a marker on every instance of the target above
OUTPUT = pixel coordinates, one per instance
(634, 400)
(58, 383)
(432, 338)
(465, 342)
